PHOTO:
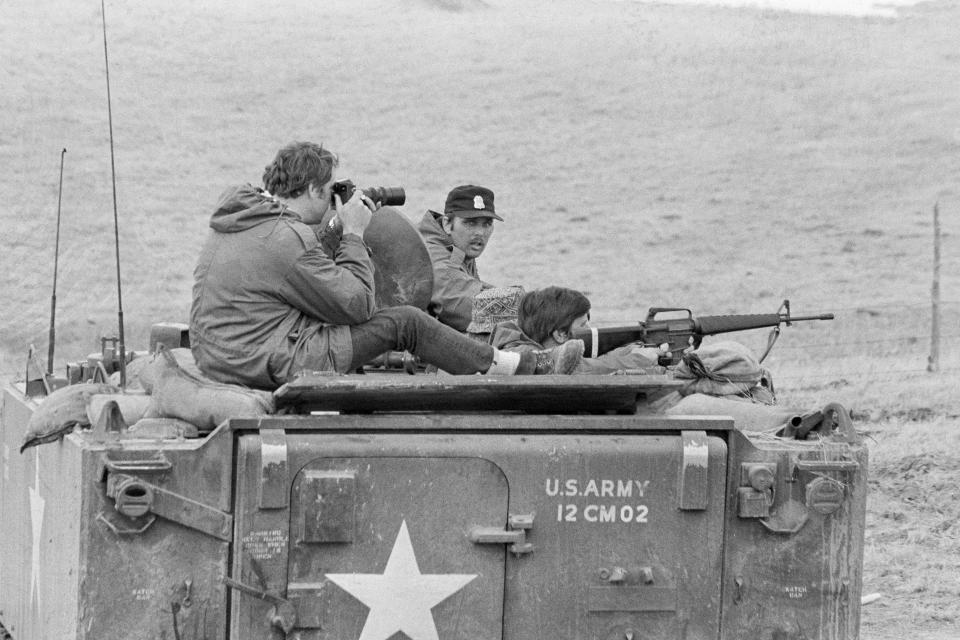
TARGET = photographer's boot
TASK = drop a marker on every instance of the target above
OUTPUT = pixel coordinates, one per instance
(561, 360)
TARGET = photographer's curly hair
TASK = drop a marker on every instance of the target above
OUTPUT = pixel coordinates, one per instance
(296, 167)
(546, 310)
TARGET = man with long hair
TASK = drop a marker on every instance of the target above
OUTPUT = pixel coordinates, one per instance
(548, 318)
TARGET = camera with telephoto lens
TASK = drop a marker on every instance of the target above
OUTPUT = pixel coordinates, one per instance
(386, 196)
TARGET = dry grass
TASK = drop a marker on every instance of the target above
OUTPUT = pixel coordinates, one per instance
(662, 155)
(912, 541)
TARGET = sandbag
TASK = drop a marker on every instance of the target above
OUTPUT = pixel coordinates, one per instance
(133, 369)
(149, 374)
(163, 428)
(747, 415)
(720, 369)
(177, 393)
(61, 411)
(132, 406)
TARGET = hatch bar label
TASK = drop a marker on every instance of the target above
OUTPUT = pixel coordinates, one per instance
(623, 488)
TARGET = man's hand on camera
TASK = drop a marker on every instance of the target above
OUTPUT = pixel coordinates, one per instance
(373, 206)
(355, 214)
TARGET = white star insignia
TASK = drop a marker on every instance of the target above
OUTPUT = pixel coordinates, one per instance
(400, 599)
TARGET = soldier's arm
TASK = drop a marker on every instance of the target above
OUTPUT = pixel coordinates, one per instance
(453, 294)
(339, 291)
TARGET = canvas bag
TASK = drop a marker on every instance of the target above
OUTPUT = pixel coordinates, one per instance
(178, 389)
(725, 368)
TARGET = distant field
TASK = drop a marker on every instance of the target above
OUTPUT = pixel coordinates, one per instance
(650, 155)
(886, 8)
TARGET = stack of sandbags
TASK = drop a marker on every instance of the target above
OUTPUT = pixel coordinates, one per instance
(166, 397)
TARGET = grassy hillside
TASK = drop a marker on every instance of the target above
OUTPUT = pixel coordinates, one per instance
(650, 155)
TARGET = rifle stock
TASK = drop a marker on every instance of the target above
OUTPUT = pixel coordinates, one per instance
(597, 341)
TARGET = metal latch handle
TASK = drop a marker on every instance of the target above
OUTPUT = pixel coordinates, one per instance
(826, 465)
(134, 497)
(152, 465)
(284, 614)
(493, 535)
(516, 536)
(253, 591)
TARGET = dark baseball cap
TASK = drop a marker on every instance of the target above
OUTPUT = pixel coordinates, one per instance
(470, 201)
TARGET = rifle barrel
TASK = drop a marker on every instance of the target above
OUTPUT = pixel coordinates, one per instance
(822, 316)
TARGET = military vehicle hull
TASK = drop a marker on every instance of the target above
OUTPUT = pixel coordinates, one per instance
(389, 516)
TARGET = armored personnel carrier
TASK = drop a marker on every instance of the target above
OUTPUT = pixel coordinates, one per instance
(386, 505)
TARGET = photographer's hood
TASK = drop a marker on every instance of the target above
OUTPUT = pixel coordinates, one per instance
(245, 206)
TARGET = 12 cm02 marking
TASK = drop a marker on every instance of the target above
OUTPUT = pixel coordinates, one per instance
(602, 513)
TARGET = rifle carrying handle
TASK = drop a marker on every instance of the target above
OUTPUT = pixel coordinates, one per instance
(652, 313)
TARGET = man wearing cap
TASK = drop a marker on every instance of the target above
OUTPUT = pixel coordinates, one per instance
(455, 239)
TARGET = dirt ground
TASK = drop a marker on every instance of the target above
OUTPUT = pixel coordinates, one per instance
(912, 542)
(649, 155)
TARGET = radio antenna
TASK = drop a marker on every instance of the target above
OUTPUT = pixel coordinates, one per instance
(56, 259)
(116, 224)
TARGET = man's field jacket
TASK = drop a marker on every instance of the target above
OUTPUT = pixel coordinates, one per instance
(268, 301)
(455, 279)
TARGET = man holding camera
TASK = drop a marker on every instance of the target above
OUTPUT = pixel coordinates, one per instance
(455, 239)
(268, 302)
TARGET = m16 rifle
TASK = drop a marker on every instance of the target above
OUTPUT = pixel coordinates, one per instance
(685, 332)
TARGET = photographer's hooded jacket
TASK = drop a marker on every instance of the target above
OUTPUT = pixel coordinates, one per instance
(268, 301)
